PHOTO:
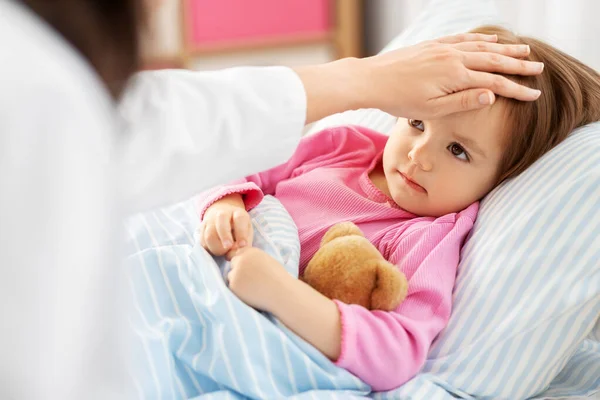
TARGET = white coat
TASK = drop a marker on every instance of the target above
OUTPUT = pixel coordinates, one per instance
(73, 165)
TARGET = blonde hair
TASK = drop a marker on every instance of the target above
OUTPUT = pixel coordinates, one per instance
(570, 98)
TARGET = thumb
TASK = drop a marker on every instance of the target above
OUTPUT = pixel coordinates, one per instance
(465, 100)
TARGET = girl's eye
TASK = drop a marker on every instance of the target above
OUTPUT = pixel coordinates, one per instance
(415, 123)
(458, 152)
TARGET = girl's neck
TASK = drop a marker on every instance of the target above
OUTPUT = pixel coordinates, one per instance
(377, 177)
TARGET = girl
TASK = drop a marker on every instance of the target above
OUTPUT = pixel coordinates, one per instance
(415, 196)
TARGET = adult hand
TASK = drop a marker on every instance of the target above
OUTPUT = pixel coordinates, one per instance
(447, 75)
(428, 80)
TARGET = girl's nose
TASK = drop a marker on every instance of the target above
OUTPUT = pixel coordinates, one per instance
(419, 155)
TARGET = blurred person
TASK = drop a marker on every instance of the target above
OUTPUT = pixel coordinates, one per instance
(86, 141)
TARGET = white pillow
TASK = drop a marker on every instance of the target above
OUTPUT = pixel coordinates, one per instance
(528, 288)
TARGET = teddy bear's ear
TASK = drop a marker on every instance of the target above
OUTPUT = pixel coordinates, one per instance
(340, 230)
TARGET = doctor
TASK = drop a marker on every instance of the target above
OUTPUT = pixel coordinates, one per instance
(72, 164)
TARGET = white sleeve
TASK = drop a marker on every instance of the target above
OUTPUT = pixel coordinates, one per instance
(187, 131)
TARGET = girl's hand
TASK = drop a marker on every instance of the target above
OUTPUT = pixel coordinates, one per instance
(257, 278)
(226, 226)
(262, 282)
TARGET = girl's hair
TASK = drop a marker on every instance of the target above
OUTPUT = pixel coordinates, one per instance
(104, 31)
(570, 98)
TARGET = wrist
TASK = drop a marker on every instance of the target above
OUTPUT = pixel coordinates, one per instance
(233, 199)
(366, 82)
(333, 87)
(350, 77)
(283, 289)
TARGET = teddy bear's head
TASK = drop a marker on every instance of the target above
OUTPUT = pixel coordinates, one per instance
(347, 267)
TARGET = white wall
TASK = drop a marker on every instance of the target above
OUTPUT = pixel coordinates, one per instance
(163, 39)
(384, 19)
(571, 25)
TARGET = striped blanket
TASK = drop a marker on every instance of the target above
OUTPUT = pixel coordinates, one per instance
(195, 337)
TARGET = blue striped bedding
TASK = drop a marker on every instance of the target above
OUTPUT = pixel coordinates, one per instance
(194, 337)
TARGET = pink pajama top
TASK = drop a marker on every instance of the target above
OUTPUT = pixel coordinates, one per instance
(327, 181)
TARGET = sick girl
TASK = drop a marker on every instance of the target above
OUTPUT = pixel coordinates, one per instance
(415, 196)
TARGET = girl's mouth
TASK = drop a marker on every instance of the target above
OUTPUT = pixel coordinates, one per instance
(414, 185)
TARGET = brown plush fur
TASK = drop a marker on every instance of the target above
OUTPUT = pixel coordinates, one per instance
(349, 268)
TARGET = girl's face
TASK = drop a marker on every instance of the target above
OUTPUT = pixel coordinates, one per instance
(437, 167)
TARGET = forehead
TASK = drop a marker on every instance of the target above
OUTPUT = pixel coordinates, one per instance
(487, 126)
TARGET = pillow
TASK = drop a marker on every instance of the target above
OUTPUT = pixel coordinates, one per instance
(527, 295)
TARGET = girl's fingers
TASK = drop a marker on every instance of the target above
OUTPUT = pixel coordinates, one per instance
(242, 228)
(223, 227)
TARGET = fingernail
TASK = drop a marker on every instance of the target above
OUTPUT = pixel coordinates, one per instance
(540, 66)
(537, 93)
(485, 98)
(227, 244)
(526, 48)
(242, 243)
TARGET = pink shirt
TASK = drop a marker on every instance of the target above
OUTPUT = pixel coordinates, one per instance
(327, 181)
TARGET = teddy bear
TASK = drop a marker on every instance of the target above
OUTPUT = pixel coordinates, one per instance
(347, 267)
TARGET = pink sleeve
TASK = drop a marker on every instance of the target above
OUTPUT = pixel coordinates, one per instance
(309, 154)
(386, 349)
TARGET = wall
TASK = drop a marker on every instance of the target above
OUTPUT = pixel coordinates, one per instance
(571, 25)
(163, 43)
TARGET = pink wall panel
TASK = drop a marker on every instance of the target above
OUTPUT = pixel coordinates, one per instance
(230, 21)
